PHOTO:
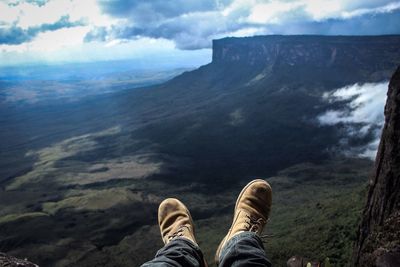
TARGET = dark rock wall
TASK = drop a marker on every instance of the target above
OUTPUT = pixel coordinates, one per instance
(378, 241)
(316, 51)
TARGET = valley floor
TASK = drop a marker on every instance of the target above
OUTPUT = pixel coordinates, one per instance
(316, 208)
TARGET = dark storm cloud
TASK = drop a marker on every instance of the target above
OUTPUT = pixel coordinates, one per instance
(186, 31)
(192, 24)
(189, 23)
(370, 24)
(147, 11)
(16, 35)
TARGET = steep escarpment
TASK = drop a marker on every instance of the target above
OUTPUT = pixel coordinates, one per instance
(379, 234)
(348, 56)
(321, 51)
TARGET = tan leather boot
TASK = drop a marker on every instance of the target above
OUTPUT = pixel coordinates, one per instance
(251, 211)
(175, 221)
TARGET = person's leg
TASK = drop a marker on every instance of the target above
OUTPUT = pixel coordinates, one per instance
(179, 252)
(244, 249)
(242, 245)
(177, 232)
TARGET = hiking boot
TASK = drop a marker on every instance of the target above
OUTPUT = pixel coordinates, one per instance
(175, 221)
(251, 211)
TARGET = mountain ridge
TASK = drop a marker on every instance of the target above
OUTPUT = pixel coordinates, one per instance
(269, 55)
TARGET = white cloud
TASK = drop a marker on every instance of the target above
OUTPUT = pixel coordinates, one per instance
(363, 11)
(362, 114)
(281, 11)
(272, 12)
(55, 40)
(27, 14)
(239, 6)
(319, 10)
(250, 31)
(50, 41)
(141, 50)
(46, 44)
(8, 14)
(366, 104)
(33, 15)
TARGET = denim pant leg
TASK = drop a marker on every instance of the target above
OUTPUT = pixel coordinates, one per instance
(244, 250)
(180, 252)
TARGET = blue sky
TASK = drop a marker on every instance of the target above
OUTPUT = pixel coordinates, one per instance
(51, 31)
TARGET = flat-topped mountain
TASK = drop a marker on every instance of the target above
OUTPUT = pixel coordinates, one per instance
(339, 55)
(319, 51)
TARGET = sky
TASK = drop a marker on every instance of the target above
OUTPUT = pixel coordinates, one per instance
(57, 31)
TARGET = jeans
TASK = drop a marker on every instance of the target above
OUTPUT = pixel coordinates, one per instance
(244, 249)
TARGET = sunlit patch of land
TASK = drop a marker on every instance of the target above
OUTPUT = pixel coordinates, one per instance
(21, 216)
(97, 200)
(74, 171)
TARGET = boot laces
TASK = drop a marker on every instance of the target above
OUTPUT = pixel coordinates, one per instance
(177, 233)
(254, 224)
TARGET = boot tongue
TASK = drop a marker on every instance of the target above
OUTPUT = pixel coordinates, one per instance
(173, 220)
(255, 211)
(255, 207)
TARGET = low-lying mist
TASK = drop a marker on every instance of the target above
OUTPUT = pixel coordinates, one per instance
(361, 114)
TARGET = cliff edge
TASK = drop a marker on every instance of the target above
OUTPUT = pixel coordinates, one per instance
(352, 58)
(378, 241)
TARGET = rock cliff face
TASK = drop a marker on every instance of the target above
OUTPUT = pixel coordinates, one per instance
(321, 51)
(353, 54)
(378, 241)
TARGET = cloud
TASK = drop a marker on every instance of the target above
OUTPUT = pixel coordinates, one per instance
(192, 24)
(274, 12)
(186, 24)
(362, 116)
(185, 31)
(54, 47)
(22, 21)
(144, 11)
(378, 10)
(33, 2)
(369, 24)
(18, 35)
